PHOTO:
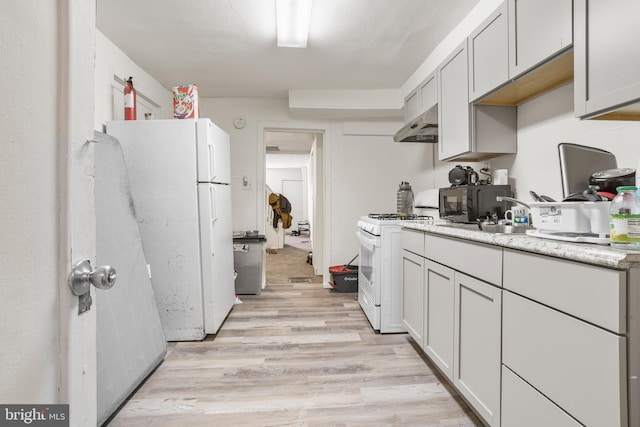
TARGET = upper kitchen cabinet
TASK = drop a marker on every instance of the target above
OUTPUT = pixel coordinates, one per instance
(489, 54)
(421, 99)
(411, 105)
(453, 107)
(539, 34)
(538, 30)
(421, 113)
(607, 63)
(466, 131)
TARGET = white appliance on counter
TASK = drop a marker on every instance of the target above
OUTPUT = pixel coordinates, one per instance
(179, 172)
(379, 269)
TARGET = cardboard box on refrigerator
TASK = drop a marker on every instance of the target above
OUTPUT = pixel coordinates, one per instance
(186, 103)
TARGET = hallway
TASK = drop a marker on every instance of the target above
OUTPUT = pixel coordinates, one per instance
(296, 355)
(289, 264)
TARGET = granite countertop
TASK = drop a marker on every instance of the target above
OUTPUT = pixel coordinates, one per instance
(590, 253)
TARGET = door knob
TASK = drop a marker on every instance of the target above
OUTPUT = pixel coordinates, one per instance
(82, 276)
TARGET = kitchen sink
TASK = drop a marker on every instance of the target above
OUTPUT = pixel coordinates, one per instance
(505, 229)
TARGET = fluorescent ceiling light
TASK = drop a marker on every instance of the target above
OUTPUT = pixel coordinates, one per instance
(292, 18)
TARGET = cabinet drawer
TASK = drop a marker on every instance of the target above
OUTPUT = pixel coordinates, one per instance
(580, 367)
(413, 241)
(475, 259)
(594, 294)
(523, 406)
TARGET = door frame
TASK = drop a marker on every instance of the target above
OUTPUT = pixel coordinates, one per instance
(323, 128)
(76, 221)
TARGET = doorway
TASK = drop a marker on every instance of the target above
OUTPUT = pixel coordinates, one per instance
(290, 170)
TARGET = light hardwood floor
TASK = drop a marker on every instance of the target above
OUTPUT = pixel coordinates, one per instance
(297, 355)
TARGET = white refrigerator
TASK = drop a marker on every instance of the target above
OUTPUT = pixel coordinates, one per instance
(179, 172)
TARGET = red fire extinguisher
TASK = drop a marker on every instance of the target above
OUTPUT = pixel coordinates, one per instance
(129, 100)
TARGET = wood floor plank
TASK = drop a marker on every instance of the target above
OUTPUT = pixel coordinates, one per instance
(296, 355)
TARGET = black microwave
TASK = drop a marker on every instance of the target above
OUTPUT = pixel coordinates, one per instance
(468, 203)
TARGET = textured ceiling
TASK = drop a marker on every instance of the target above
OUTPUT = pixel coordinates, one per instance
(228, 47)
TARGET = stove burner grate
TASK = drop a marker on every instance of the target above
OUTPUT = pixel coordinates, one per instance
(393, 216)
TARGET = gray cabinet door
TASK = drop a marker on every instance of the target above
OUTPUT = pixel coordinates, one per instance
(477, 345)
(429, 92)
(538, 29)
(453, 106)
(607, 61)
(489, 54)
(411, 106)
(438, 317)
(467, 131)
(421, 99)
(413, 294)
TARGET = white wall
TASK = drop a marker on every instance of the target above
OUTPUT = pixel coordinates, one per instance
(366, 173)
(28, 201)
(275, 176)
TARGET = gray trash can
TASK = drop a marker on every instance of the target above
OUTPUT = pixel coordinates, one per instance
(248, 261)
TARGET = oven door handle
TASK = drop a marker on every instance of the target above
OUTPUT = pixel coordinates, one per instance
(366, 241)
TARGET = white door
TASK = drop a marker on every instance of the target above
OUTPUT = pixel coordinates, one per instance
(292, 190)
(217, 254)
(214, 153)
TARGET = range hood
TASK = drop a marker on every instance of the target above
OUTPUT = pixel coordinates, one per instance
(423, 128)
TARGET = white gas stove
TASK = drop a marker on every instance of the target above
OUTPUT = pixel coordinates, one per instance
(379, 270)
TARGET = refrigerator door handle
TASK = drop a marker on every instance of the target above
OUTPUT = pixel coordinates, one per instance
(212, 162)
(212, 202)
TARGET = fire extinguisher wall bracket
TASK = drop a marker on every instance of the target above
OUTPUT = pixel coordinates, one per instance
(130, 100)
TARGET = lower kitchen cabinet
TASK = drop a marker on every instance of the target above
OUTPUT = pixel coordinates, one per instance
(438, 315)
(524, 406)
(413, 295)
(571, 350)
(455, 317)
(525, 349)
(477, 343)
(575, 364)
